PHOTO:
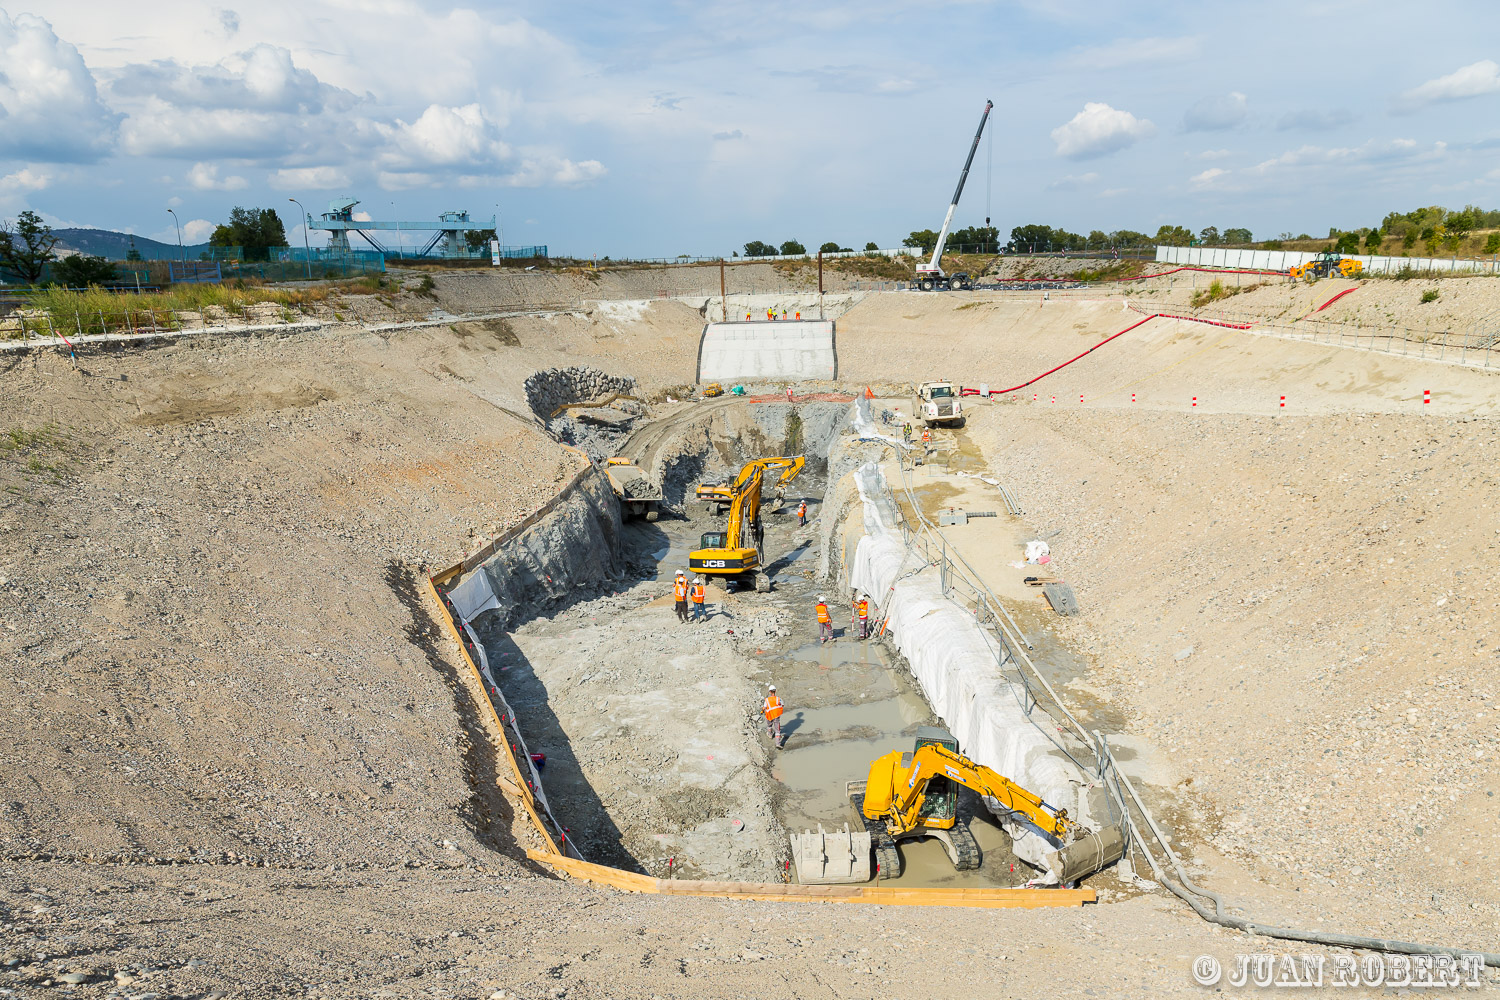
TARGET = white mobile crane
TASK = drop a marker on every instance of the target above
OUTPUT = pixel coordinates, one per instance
(930, 276)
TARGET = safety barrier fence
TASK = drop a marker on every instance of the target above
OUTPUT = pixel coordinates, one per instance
(1281, 260)
(524, 785)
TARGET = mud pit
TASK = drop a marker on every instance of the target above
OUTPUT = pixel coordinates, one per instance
(657, 759)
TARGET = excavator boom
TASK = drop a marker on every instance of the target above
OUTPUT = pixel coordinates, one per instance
(898, 782)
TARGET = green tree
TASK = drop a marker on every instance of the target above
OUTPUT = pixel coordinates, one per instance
(1238, 236)
(1174, 236)
(1346, 243)
(1459, 224)
(755, 248)
(975, 239)
(926, 239)
(80, 271)
(791, 248)
(26, 246)
(1128, 238)
(133, 254)
(1208, 235)
(1409, 240)
(254, 229)
(1271, 245)
(872, 245)
(1373, 240)
(1030, 239)
(829, 248)
(1492, 243)
(478, 239)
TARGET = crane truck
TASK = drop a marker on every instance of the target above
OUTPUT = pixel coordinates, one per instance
(915, 794)
(930, 276)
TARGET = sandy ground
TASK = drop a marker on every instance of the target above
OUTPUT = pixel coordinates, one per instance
(214, 651)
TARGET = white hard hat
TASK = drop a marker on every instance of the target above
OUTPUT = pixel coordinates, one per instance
(773, 687)
(681, 573)
(821, 598)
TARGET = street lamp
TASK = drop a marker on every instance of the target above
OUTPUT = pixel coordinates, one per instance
(181, 252)
(305, 247)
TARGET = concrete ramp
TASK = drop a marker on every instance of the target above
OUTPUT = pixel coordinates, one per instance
(776, 349)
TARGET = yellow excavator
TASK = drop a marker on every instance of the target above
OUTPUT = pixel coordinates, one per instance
(1326, 265)
(722, 494)
(734, 553)
(915, 794)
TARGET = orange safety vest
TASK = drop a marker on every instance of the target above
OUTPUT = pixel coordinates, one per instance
(697, 593)
(823, 618)
(679, 589)
(773, 708)
(802, 508)
(864, 610)
(926, 436)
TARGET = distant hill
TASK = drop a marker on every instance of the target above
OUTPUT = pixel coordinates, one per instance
(114, 246)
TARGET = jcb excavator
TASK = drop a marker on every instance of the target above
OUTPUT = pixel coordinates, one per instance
(722, 494)
(735, 551)
(915, 794)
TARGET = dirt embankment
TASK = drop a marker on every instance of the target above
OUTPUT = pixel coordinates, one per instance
(214, 643)
(1303, 612)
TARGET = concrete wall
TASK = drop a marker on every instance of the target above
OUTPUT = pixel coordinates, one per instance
(782, 349)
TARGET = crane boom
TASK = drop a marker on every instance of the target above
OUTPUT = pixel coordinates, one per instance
(937, 251)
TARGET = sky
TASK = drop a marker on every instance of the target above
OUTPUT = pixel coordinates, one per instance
(632, 129)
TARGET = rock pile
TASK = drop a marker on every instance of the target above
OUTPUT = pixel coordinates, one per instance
(550, 388)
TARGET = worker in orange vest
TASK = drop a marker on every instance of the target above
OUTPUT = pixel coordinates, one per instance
(698, 594)
(772, 708)
(679, 593)
(926, 435)
(862, 613)
(825, 621)
(802, 514)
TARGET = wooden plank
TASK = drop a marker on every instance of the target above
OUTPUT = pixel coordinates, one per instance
(504, 748)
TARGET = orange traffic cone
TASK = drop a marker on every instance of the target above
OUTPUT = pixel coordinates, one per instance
(868, 393)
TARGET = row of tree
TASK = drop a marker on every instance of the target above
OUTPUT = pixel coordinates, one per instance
(793, 248)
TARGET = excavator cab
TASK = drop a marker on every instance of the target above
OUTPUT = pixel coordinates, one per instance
(940, 808)
(714, 540)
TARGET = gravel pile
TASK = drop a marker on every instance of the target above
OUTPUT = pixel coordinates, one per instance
(550, 388)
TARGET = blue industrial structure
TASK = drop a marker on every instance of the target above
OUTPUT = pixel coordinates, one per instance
(448, 231)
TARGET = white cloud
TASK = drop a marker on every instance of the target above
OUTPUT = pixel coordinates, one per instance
(205, 177)
(261, 78)
(1099, 129)
(193, 231)
(1073, 182)
(1211, 154)
(1208, 178)
(1365, 154)
(1212, 114)
(50, 109)
(554, 171)
(1474, 80)
(14, 187)
(309, 179)
(448, 137)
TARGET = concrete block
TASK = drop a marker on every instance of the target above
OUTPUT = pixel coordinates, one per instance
(781, 349)
(953, 515)
(831, 858)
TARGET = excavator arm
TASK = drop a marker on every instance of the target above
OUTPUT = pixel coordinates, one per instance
(897, 788)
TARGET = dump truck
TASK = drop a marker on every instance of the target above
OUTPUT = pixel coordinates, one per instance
(936, 403)
(639, 496)
(915, 794)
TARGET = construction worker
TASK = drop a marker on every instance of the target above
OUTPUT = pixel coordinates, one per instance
(772, 708)
(698, 593)
(802, 514)
(906, 431)
(825, 621)
(679, 593)
(926, 435)
(862, 614)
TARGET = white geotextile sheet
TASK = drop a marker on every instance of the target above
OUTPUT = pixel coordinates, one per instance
(956, 664)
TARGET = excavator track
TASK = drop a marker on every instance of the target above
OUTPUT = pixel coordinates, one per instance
(963, 849)
(887, 857)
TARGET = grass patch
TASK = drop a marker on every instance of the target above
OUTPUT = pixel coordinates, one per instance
(1431, 295)
(38, 453)
(1217, 291)
(427, 287)
(95, 310)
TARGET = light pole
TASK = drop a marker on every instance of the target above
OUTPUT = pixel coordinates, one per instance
(305, 248)
(181, 252)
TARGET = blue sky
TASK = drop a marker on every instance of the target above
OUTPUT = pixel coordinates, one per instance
(667, 128)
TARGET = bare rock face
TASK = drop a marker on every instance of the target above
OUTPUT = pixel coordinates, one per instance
(550, 388)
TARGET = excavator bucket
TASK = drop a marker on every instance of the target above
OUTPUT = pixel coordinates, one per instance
(1089, 854)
